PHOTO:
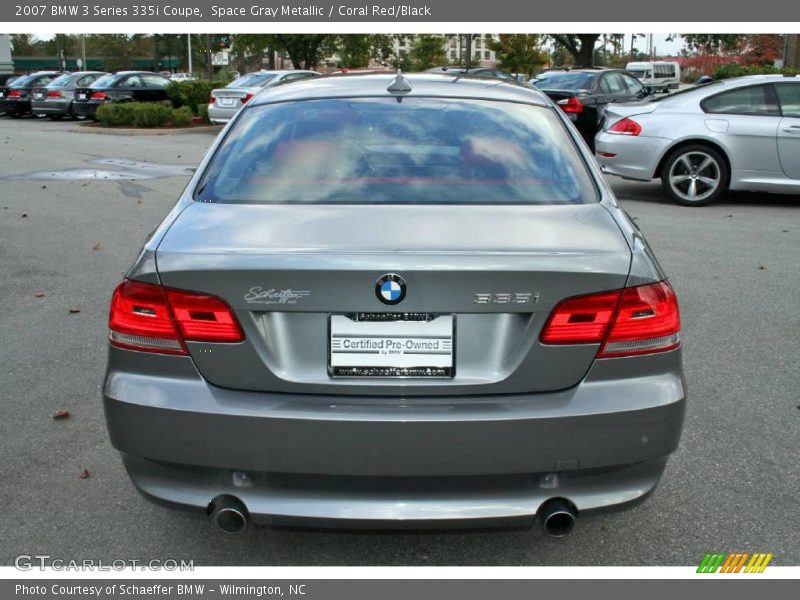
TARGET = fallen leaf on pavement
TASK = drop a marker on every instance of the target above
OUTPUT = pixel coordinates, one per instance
(74, 311)
(85, 474)
(40, 294)
(61, 414)
(96, 246)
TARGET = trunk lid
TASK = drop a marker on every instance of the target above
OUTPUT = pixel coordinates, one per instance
(284, 269)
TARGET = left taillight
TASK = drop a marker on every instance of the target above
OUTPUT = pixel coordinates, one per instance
(54, 94)
(625, 126)
(247, 97)
(150, 318)
(16, 94)
(98, 96)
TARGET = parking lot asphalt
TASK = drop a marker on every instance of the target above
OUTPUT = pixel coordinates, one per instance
(733, 485)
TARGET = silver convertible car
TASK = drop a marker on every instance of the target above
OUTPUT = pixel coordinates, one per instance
(396, 301)
(737, 134)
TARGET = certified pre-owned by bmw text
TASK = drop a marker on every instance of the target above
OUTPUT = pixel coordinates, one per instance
(396, 301)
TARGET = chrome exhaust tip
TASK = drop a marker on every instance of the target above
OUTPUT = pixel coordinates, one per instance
(229, 514)
(558, 517)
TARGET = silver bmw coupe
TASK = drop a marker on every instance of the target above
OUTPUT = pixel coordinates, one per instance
(396, 301)
(735, 134)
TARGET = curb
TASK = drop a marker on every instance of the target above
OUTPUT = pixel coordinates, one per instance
(139, 131)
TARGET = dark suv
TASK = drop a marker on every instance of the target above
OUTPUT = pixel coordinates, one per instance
(584, 93)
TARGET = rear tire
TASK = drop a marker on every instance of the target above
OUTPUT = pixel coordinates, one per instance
(695, 175)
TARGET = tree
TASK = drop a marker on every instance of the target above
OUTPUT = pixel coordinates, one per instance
(428, 51)
(711, 43)
(517, 53)
(304, 50)
(580, 46)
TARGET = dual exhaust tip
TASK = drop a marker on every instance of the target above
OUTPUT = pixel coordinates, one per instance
(230, 515)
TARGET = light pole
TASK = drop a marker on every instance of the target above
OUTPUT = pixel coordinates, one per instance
(189, 50)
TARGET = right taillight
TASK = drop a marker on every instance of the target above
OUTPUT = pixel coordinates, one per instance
(150, 318)
(625, 127)
(571, 105)
(637, 320)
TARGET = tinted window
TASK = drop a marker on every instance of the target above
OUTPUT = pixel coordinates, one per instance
(155, 81)
(612, 83)
(640, 73)
(86, 80)
(131, 81)
(789, 97)
(753, 100)
(252, 80)
(566, 81)
(633, 85)
(379, 150)
(43, 79)
(109, 80)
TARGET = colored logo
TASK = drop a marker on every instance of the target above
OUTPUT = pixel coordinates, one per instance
(736, 562)
(390, 289)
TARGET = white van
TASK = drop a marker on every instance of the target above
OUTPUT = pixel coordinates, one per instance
(658, 75)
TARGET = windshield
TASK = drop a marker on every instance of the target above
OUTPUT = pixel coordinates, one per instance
(566, 81)
(107, 80)
(252, 80)
(640, 73)
(383, 150)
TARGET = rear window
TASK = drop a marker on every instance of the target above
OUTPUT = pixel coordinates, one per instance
(109, 80)
(566, 81)
(61, 80)
(414, 151)
(23, 81)
(252, 80)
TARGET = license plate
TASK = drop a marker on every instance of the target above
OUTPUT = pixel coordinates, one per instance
(38, 95)
(2, 94)
(81, 96)
(391, 345)
(227, 101)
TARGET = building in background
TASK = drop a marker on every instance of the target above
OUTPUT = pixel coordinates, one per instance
(6, 64)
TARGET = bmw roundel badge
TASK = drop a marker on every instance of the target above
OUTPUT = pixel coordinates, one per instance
(390, 289)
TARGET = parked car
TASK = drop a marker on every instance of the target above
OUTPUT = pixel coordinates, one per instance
(182, 77)
(56, 99)
(225, 102)
(18, 95)
(123, 86)
(737, 134)
(284, 349)
(6, 79)
(475, 72)
(584, 94)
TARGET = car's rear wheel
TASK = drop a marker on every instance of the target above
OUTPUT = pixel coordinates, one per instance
(695, 175)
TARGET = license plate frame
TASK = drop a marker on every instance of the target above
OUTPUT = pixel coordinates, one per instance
(423, 360)
(225, 102)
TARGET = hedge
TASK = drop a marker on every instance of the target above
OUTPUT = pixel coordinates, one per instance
(143, 114)
(193, 94)
(734, 70)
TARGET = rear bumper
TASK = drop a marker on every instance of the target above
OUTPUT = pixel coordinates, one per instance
(14, 106)
(51, 107)
(291, 457)
(635, 157)
(219, 115)
(85, 109)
